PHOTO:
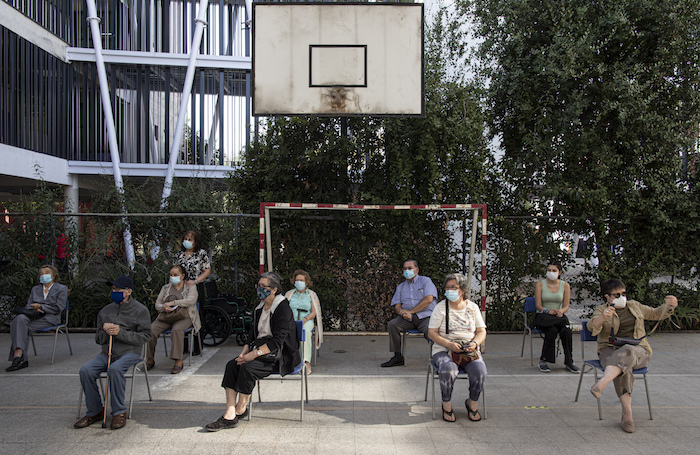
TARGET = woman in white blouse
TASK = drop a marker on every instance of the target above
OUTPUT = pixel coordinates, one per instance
(456, 325)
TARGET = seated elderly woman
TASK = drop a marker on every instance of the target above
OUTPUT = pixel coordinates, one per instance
(620, 317)
(456, 326)
(273, 345)
(177, 310)
(43, 309)
(307, 309)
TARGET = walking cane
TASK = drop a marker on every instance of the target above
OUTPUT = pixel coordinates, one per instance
(109, 362)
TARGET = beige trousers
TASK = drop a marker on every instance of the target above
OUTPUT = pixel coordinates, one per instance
(628, 358)
(177, 337)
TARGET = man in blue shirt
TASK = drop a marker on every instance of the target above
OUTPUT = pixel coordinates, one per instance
(413, 303)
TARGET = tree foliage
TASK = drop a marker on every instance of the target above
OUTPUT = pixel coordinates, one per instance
(596, 107)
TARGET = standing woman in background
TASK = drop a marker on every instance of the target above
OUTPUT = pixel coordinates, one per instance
(552, 298)
(306, 308)
(193, 258)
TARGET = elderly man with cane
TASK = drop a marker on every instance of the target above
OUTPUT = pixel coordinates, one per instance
(123, 327)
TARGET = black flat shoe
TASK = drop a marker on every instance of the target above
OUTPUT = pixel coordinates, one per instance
(244, 415)
(17, 365)
(222, 424)
(397, 360)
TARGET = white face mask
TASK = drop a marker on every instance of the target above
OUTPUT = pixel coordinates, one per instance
(551, 276)
(620, 302)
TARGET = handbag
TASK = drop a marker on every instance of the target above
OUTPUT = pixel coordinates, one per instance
(270, 357)
(463, 357)
(546, 320)
(31, 314)
(621, 341)
(171, 317)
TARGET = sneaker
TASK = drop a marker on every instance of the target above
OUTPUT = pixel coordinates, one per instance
(222, 424)
(572, 367)
(544, 368)
(397, 360)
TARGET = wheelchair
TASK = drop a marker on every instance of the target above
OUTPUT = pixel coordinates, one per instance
(224, 315)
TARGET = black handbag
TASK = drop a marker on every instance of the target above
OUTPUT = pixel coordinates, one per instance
(31, 314)
(621, 341)
(270, 357)
(546, 320)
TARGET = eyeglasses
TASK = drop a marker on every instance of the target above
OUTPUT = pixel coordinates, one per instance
(452, 288)
(262, 286)
(617, 295)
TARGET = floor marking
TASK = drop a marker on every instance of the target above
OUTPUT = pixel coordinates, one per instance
(167, 382)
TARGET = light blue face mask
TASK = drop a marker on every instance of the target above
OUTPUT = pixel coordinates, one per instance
(452, 295)
(300, 285)
(187, 244)
(45, 278)
(409, 274)
(175, 279)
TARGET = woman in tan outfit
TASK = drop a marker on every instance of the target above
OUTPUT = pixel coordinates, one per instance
(177, 310)
(626, 319)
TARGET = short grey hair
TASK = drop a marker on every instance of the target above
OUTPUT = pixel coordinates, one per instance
(275, 281)
(461, 282)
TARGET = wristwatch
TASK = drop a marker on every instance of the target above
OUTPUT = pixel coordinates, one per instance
(259, 352)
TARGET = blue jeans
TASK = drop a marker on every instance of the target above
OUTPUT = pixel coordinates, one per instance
(448, 374)
(90, 374)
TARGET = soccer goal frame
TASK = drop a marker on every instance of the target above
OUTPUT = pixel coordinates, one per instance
(266, 232)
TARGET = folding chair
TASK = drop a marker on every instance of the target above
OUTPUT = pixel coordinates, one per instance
(56, 329)
(530, 307)
(461, 375)
(595, 365)
(139, 366)
(300, 370)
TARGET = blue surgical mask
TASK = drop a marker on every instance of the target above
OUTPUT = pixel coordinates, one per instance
(263, 293)
(118, 296)
(175, 279)
(46, 278)
(300, 285)
(409, 274)
(452, 295)
(187, 244)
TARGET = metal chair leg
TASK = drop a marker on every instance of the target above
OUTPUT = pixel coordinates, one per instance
(646, 388)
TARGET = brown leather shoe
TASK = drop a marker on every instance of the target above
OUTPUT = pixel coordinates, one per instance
(176, 369)
(89, 420)
(118, 421)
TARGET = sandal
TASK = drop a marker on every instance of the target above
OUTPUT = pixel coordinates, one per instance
(472, 414)
(449, 414)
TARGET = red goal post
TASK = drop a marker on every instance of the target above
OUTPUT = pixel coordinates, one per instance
(265, 232)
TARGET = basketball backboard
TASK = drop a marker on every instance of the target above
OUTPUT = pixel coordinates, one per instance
(338, 59)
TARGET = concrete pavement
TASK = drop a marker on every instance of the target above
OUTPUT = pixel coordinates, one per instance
(357, 407)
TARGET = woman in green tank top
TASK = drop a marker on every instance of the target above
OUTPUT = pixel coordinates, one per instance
(552, 297)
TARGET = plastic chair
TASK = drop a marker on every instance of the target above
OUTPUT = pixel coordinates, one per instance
(594, 365)
(300, 370)
(139, 366)
(461, 375)
(190, 334)
(530, 307)
(56, 329)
